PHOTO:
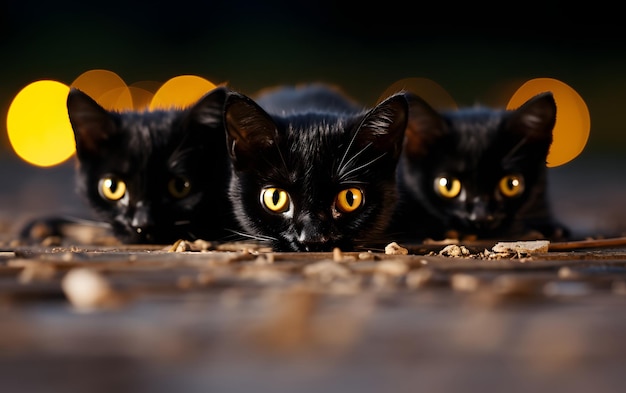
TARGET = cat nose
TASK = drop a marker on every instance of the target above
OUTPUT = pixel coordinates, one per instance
(310, 236)
(141, 218)
(479, 213)
(313, 240)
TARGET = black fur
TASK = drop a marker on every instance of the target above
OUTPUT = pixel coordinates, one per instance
(479, 147)
(155, 153)
(313, 142)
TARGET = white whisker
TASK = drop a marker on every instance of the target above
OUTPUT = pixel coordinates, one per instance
(346, 174)
(354, 157)
(255, 237)
(345, 153)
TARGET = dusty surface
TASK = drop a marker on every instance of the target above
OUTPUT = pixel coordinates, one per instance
(161, 321)
(166, 318)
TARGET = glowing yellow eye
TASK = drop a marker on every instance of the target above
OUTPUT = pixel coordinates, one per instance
(448, 187)
(179, 187)
(511, 185)
(349, 200)
(112, 188)
(275, 199)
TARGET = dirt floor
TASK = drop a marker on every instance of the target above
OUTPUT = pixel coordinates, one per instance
(198, 318)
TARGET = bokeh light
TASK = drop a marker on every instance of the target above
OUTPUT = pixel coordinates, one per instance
(116, 99)
(573, 122)
(180, 92)
(38, 125)
(429, 90)
(106, 87)
(142, 93)
(47, 139)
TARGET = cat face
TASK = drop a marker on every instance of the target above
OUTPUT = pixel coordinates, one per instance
(154, 176)
(313, 180)
(476, 170)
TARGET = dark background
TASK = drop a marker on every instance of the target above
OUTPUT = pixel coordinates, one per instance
(364, 48)
(474, 52)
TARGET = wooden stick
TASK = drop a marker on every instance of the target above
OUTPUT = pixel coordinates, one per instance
(591, 243)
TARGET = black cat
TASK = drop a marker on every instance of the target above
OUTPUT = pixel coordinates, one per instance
(311, 169)
(476, 172)
(154, 176)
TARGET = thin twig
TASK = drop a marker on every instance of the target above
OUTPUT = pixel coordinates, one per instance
(591, 243)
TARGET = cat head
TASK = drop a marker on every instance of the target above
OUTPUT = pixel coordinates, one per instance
(155, 176)
(314, 180)
(476, 167)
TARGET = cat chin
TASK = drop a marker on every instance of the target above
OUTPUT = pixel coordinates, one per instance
(129, 236)
(288, 246)
(133, 238)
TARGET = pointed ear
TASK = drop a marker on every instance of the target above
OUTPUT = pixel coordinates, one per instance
(91, 123)
(208, 111)
(535, 119)
(384, 125)
(249, 129)
(425, 125)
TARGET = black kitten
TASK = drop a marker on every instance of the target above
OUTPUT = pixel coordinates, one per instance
(476, 172)
(154, 176)
(313, 170)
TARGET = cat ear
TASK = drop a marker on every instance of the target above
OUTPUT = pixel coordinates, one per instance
(384, 125)
(249, 129)
(208, 110)
(425, 125)
(91, 123)
(535, 119)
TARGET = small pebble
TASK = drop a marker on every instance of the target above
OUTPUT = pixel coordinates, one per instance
(394, 248)
(422, 277)
(455, 251)
(392, 268)
(337, 254)
(88, 289)
(465, 282)
(37, 272)
(327, 271)
(522, 247)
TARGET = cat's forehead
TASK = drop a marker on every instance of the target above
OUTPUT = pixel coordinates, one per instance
(141, 141)
(150, 122)
(475, 122)
(314, 137)
(308, 157)
(315, 124)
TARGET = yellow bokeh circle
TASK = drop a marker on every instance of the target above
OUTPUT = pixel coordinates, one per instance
(180, 92)
(106, 87)
(38, 125)
(573, 122)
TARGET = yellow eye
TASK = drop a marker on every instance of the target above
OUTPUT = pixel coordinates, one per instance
(448, 187)
(511, 185)
(275, 199)
(112, 188)
(179, 187)
(349, 200)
